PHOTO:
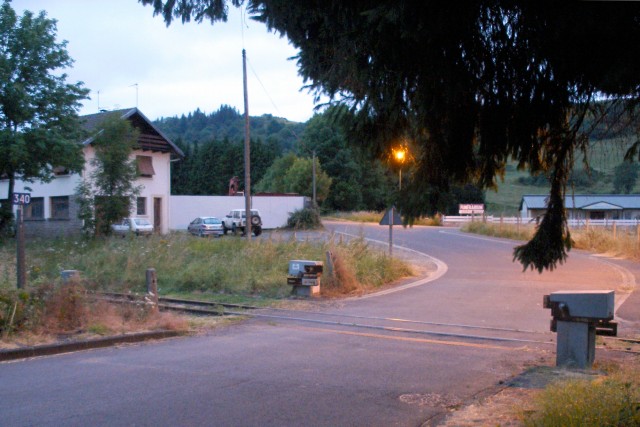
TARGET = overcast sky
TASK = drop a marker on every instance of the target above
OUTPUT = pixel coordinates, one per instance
(118, 43)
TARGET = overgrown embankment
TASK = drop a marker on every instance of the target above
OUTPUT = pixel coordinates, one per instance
(621, 241)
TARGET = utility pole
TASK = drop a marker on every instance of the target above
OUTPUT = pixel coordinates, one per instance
(314, 180)
(247, 152)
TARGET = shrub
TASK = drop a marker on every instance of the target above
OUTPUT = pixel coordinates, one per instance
(304, 219)
(19, 310)
(607, 401)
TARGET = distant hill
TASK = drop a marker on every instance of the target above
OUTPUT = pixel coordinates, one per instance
(228, 123)
(603, 157)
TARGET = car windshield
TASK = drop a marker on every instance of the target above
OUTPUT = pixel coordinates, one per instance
(142, 222)
(211, 221)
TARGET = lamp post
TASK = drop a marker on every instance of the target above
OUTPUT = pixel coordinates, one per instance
(400, 155)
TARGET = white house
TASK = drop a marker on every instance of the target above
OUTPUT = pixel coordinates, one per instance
(53, 210)
(586, 206)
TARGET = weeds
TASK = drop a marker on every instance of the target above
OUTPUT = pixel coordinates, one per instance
(612, 400)
(186, 265)
(600, 240)
(375, 217)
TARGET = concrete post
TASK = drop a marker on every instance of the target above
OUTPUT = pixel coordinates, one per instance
(576, 344)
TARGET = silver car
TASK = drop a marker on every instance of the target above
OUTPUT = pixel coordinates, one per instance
(132, 225)
(206, 226)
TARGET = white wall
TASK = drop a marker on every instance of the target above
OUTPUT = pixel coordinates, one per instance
(274, 210)
(159, 186)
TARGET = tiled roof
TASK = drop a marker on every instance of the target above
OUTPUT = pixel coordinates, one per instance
(150, 138)
(586, 201)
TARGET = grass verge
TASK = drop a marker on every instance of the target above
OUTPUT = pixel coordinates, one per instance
(622, 243)
(375, 217)
(608, 400)
(225, 270)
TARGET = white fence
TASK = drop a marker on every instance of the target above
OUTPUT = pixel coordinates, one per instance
(575, 223)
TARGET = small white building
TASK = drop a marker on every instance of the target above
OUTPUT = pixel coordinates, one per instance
(53, 211)
(586, 206)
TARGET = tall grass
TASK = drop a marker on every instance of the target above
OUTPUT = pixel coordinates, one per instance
(625, 243)
(186, 264)
(375, 217)
(605, 401)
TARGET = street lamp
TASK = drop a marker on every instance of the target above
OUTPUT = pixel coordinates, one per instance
(400, 155)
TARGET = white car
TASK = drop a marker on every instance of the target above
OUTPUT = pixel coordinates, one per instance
(132, 225)
(236, 220)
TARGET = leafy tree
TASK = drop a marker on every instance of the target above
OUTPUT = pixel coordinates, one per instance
(625, 177)
(274, 178)
(105, 196)
(471, 84)
(299, 179)
(38, 110)
(358, 181)
(292, 174)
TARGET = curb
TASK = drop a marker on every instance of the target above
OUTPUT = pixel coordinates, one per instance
(51, 349)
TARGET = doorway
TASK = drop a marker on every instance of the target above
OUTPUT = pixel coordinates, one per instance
(157, 214)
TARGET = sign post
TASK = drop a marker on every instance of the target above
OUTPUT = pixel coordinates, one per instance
(391, 218)
(20, 199)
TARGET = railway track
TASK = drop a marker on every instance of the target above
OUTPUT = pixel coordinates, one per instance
(387, 325)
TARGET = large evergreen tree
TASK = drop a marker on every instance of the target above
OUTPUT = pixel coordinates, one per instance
(38, 109)
(472, 84)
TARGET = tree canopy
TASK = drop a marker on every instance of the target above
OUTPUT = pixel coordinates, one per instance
(39, 127)
(471, 84)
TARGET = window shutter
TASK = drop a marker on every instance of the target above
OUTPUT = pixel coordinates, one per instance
(145, 166)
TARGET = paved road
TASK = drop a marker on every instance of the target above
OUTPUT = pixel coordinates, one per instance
(354, 366)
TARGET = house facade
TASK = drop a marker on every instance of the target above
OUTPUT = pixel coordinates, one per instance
(586, 206)
(53, 210)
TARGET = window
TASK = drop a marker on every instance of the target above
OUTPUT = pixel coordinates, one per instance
(60, 207)
(35, 209)
(145, 166)
(141, 204)
(60, 171)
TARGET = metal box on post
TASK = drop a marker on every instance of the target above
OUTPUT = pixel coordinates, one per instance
(577, 317)
(304, 276)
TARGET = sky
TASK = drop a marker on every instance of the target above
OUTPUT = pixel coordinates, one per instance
(127, 57)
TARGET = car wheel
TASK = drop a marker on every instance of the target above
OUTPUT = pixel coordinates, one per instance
(255, 220)
(200, 233)
(257, 231)
(234, 229)
(224, 229)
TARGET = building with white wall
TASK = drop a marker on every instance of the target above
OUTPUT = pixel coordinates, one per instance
(53, 210)
(586, 206)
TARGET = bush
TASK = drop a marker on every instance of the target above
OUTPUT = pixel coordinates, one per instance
(608, 401)
(304, 219)
(19, 310)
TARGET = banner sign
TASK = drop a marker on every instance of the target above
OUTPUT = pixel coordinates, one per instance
(470, 209)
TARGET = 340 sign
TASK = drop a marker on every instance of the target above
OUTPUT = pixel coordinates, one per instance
(21, 198)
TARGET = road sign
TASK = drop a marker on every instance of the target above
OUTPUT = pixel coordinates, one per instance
(470, 209)
(397, 220)
(21, 198)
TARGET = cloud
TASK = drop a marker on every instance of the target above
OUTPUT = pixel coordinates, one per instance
(119, 43)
